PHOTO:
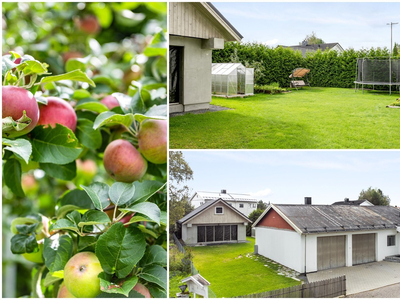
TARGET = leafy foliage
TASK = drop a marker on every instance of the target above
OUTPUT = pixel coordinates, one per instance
(375, 196)
(58, 172)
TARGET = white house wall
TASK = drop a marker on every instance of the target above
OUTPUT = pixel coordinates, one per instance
(247, 209)
(280, 245)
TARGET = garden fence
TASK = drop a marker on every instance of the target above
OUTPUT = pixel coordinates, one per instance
(329, 288)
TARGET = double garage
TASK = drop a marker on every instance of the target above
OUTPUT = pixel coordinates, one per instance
(331, 250)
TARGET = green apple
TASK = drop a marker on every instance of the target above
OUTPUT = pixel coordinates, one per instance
(63, 292)
(80, 275)
(36, 257)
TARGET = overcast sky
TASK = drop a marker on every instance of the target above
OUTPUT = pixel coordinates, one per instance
(352, 24)
(289, 176)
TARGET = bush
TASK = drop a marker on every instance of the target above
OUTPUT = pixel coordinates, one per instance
(180, 263)
(269, 88)
(396, 103)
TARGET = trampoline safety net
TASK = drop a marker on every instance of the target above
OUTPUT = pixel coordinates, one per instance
(374, 71)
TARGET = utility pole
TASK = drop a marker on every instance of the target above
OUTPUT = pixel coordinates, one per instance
(390, 55)
(391, 36)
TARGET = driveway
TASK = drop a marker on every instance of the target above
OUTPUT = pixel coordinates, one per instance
(390, 291)
(363, 277)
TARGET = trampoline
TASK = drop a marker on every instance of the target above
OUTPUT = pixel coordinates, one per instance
(377, 71)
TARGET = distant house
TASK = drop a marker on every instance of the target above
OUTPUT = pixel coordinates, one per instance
(213, 222)
(242, 202)
(195, 29)
(309, 238)
(347, 201)
(305, 47)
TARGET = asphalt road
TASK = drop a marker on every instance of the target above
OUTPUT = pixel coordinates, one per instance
(390, 291)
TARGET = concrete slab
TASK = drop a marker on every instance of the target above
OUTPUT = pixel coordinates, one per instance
(363, 277)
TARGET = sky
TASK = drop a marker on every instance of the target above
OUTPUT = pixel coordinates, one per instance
(351, 24)
(286, 177)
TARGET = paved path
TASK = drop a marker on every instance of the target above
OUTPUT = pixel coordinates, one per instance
(363, 277)
(391, 291)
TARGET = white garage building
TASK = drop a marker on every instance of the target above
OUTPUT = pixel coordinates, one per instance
(309, 238)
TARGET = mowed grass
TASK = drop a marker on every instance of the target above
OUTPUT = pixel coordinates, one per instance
(232, 272)
(317, 118)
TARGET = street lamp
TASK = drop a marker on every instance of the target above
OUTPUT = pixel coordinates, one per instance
(390, 55)
(391, 35)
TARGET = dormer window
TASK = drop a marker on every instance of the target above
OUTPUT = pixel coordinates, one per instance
(219, 210)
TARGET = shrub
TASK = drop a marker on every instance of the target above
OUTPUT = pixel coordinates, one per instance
(180, 262)
(268, 89)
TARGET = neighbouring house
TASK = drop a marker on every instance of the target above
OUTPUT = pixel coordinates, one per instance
(244, 203)
(309, 238)
(305, 47)
(195, 29)
(347, 201)
(213, 222)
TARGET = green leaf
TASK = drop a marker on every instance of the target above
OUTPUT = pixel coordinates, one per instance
(121, 193)
(77, 198)
(98, 193)
(81, 94)
(64, 224)
(24, 243)
(110, 118)
(74, 64)
(87, 243)
(50, 279)
(124, 102)
(136, 219)
(146, 208)
(155, 274)
(12, 176)
(76, 75)
(93, 217)
(114, 249)
(155, 255)
(57, 252)
(54, 145)
(26, 228)
(21, 147)
(164, 218)
(10, 125)
(158, 46)
(63, 172)
(63, 210)
(123, 286)
(156, 291)
(25, 221)
(92, 106)
(159, 111)
(137, 104)
(89, 137)
(145, 189)
(75, 217)
(32, 66)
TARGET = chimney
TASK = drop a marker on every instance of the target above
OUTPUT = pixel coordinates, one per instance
(307, 200)
(346, 199)
(223, 191)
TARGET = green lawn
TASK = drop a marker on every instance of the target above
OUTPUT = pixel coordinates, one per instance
(317, 118)
(233, 270)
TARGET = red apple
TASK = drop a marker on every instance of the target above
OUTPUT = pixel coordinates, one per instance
(15, 101)
(140, 288)
(71, 54)
(63, 292)
(153, 140)
(110, 102)
(123, 162)
(58, 111)
(89, 24)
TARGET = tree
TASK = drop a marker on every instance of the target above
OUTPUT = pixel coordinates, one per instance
(312, 39)
(254, 215)
(262, 205)
(179, 172)
(375, 196)
(396, 49)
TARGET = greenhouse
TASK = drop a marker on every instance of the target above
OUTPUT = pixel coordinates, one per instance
(232, 79)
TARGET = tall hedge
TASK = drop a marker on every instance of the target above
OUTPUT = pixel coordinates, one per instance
(328, 68)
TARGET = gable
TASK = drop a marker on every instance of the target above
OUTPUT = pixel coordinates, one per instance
(198, 20)
(273, 219)
(209, 216)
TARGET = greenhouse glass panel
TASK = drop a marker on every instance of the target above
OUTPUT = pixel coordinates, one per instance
(249, 81)
(234, 79)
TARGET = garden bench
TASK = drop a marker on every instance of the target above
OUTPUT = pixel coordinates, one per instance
(299, 73)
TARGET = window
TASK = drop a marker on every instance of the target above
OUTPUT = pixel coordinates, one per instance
(254, 205)
(219, 210)
(391, 240)
(241, 205)
(217, 233)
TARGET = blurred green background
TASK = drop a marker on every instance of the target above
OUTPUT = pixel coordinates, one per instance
(118, 43)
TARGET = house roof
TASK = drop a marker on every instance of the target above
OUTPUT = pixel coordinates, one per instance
(225, 20)
(197, 279)
(335, 218)
(206, 205)
(351, 202)
(225, 196)
(322, 47)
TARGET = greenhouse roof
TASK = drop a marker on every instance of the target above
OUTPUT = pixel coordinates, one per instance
(225, 68)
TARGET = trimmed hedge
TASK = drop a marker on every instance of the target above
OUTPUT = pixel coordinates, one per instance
(328, 68)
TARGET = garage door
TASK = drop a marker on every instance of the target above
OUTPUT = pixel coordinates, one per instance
(363, 248)
(331, 252)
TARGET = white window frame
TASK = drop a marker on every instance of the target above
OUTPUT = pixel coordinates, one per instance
(241, 205)
(221, 213)
(393, 238)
